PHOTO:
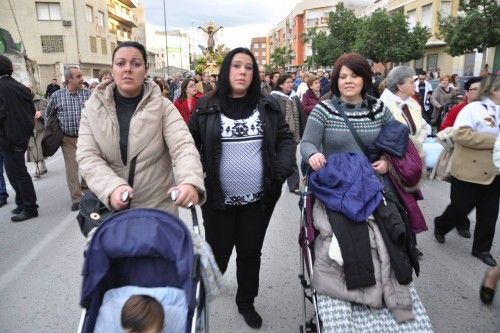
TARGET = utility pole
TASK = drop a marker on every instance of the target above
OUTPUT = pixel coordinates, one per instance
(166, 33)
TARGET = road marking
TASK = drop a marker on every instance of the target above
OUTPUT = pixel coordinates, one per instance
(16, 271)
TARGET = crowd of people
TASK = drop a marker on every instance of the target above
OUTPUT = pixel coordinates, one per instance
(233, 139)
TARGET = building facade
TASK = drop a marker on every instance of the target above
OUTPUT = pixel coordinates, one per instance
(259, 47)
(58, 34)
(307, 16)
(179, 47)
(310, 14)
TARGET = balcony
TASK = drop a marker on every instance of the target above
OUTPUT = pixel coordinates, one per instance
(122, 17)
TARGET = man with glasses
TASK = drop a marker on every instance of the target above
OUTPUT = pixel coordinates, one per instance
(423, 87)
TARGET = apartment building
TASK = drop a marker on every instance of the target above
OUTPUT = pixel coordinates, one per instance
(57, 34)
(306, 15)
(315, 13)
(179, 48)
(259, 47)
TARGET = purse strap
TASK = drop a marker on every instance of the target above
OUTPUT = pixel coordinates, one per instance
(340, 109)
(131, 174)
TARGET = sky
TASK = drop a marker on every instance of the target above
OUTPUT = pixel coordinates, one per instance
(241, 19)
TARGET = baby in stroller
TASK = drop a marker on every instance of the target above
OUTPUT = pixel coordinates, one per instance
(148, 252)
(142, 314)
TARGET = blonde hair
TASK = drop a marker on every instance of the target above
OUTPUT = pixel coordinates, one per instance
(310, 80)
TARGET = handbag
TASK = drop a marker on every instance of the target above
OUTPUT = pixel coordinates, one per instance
(93, 212)
(442, 169)
(52, 136)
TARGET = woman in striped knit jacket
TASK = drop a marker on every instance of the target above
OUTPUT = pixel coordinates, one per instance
(326, 132)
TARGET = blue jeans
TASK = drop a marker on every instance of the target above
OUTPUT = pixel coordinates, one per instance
(3, 188)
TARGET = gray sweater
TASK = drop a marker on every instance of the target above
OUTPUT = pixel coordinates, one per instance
(327, 132)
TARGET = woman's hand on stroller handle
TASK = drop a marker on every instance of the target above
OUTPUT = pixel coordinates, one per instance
(184, 195)
(317, 161)
(116, 199)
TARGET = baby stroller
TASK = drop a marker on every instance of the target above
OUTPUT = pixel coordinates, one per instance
(143, 249)
(335, 315)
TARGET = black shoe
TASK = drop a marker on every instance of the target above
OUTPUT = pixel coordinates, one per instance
(23, 216)
(3, 202)
(464, 233)
(486, 294)
(17, 210)
(252, 318)
(440, 238)
(419, 253)
(75, 206)
(485, 257)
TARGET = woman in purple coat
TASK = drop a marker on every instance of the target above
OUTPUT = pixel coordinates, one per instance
(311, 96)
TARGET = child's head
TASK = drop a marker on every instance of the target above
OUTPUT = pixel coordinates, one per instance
(142, 314)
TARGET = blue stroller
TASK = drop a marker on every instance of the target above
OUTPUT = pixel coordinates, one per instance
(143, 249)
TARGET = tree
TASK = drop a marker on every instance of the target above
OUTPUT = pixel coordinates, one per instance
(343, 26)
(308, 37)
(477, 27)
(281, 56)
(387, 38)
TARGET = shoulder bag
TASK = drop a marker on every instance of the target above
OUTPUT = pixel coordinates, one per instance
(52, 136)
(93, 212)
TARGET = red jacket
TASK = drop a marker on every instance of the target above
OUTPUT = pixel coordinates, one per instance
(183, 106)
(451, 116)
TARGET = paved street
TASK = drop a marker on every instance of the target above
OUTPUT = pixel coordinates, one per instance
(41, 259)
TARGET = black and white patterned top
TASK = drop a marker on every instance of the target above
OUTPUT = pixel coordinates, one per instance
(241, 166)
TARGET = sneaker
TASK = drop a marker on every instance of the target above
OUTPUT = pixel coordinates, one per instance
(252, 318)
(75, 206)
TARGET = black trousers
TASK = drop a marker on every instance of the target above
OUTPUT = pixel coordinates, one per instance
(19, 178)
(464, 196)
(294, 179)
(243, 227)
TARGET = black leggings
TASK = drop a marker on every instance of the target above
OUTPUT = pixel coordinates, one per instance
(243, 227)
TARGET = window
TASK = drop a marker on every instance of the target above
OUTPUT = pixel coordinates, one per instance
(100, 19)
(93, 44)
(90, 13)
(104, 46)
(419, 65)
(427, 16)
(412, 18)
(432, 62)
(445, 8)
(46, 11)
(113, 46)
(52, 44)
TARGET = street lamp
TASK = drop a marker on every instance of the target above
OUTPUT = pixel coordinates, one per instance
(166, 33)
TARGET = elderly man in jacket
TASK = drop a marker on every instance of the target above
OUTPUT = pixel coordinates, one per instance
(16, 126)
(67, 104)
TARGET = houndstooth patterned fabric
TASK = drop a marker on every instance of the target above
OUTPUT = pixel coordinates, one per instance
(346, 317)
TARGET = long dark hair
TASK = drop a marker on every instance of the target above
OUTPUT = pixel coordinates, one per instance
(223, 90)
(184, 87)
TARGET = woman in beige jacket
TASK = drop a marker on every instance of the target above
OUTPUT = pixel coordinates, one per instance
(476, 181)
(127, 118)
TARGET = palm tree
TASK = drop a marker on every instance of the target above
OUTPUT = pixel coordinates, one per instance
(308, 37)
(281, 56)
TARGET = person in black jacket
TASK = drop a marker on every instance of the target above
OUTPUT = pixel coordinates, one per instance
(17, 113)
(247, 150)
(51, 88)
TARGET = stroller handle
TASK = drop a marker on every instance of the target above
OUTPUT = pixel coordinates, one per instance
(194, 217)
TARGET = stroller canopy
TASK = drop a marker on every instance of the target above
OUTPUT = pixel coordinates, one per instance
(139, 247)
